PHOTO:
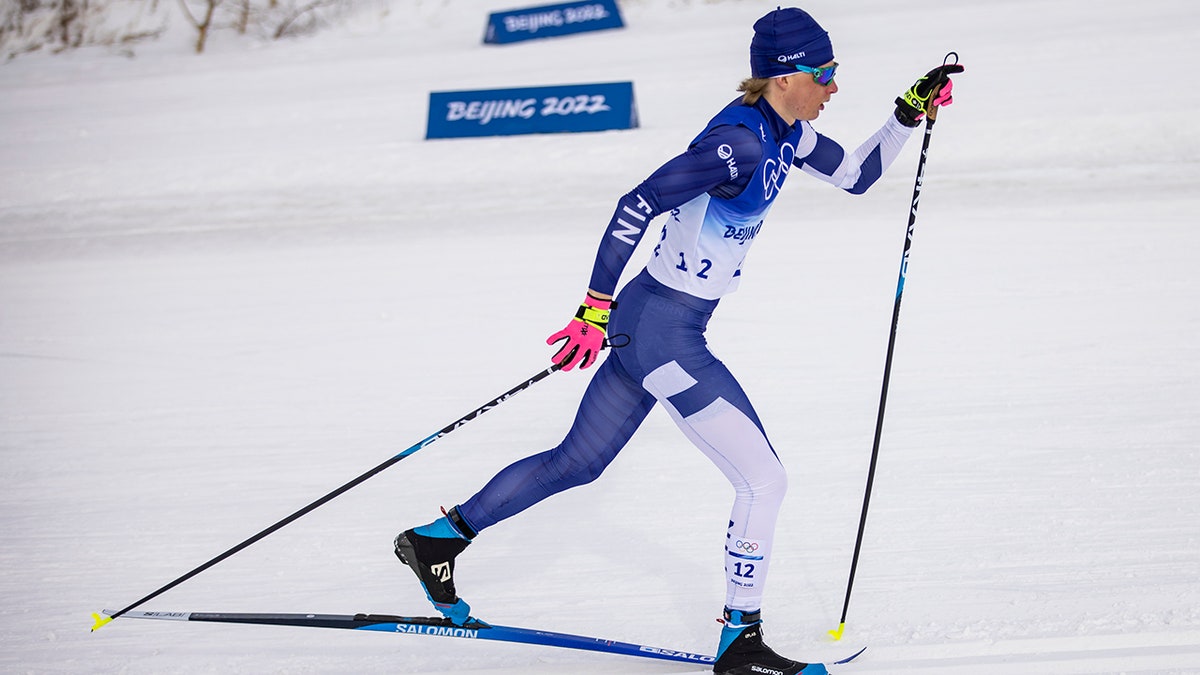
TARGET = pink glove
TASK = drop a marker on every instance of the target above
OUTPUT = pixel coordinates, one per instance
(928, 93)
(584, 335)
(944, 96)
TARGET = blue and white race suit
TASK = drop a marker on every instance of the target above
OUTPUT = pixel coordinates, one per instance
(717, 195)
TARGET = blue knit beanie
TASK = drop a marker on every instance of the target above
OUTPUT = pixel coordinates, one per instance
(784, 38)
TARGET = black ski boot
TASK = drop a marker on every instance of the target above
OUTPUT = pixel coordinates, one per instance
(742, 651)
(430, 551)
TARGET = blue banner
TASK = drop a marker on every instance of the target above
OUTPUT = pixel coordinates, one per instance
(552, 21)
(532, 110)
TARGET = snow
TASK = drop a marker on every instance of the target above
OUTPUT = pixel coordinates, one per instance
(230, 283)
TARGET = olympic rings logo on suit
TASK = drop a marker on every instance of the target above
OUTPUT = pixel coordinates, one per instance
(775, 171)
(747, 546)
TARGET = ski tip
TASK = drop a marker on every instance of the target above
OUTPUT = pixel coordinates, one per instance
(850, 658)
(100, 621)
(836, 634)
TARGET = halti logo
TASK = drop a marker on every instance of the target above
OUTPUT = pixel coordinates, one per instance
(725, 152)
(784, 58)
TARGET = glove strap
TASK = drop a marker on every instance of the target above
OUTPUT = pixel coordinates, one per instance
(594, 311)
(914, 99)
(593, 316)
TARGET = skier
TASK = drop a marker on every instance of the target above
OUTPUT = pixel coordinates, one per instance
(716, 195)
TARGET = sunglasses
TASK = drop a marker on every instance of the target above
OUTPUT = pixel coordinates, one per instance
(823, 75)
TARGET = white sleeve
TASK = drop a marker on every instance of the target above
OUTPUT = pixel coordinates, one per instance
(856, 171)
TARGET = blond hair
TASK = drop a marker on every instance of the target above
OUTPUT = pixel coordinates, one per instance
(753, 89)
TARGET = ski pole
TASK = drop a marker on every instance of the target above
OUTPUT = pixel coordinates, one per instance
(930, 118)
(102, 620)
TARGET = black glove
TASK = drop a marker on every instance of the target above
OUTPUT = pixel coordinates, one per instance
(913, 104)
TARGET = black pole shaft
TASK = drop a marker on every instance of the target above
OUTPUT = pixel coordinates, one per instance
(339, 491)
(887, 367)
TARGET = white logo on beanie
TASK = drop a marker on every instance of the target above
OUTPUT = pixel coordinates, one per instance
(784, 58)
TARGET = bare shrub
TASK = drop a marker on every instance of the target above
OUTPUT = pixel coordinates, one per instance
(56, 25)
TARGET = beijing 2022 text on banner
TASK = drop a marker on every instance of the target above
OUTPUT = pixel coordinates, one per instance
(532, 110)
(552, 20)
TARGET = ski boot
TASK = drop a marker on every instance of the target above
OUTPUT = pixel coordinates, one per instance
(742, 651)
(430, 551)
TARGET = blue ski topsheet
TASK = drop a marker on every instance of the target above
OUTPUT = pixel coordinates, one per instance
(473, 630)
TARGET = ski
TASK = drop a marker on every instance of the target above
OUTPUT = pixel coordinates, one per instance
(420, 625)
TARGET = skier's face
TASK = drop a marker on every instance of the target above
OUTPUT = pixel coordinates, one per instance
(801, 98)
